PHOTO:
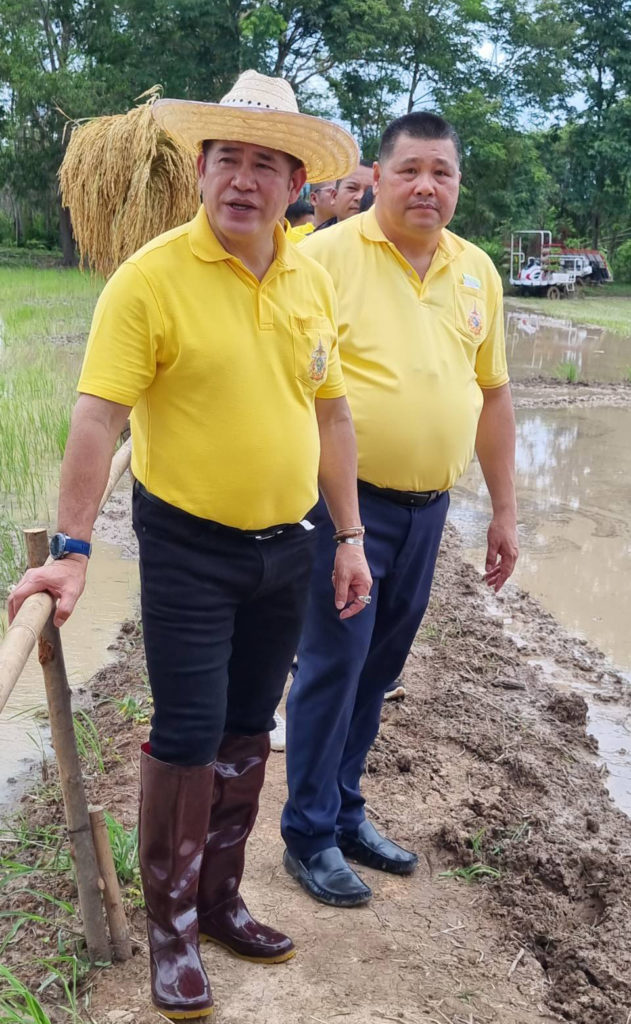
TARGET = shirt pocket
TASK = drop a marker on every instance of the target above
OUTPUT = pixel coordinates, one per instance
(313, 338)
(471, 314)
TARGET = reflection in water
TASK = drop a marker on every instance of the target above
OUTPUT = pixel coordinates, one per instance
(574, 495)
(538, 344)
(109, 597)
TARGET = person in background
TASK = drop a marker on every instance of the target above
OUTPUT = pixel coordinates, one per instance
(349, 193)
(367, 200)
(322, 198)
(234, 416)
(422, 349)
(300, 213)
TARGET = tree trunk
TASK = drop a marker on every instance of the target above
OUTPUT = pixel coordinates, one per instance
(66, 239)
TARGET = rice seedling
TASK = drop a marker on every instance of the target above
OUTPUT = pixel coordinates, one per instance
(44, 315)
(568, 372)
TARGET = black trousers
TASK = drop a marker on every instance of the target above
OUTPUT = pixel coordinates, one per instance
(222, 614)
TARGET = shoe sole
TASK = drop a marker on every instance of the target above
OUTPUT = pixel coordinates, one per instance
(322, 895)
(381, 864)
(281, 958)
(184, 1014)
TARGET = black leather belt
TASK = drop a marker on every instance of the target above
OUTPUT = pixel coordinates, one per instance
(266, 533)
(412, 499)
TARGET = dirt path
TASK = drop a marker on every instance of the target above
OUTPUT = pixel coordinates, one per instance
(486, 762)
(483, 762)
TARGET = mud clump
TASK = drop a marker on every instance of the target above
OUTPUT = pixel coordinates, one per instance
(570, 708)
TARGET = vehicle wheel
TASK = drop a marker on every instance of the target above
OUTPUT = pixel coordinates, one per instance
(553, 292)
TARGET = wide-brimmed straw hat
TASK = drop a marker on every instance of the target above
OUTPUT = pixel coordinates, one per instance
(263, 111)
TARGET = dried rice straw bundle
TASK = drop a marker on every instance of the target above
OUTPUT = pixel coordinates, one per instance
(125, 181)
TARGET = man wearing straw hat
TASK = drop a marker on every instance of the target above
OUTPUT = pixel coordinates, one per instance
(220, 337)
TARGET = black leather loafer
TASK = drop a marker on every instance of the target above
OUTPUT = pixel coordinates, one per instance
(327, 877)
(367, 847)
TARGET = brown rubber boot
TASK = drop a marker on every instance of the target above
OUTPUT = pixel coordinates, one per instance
(174, 812)
(223, 916)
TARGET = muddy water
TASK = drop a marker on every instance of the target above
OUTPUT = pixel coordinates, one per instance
(538, 344)
(574, 495)
(110, 596)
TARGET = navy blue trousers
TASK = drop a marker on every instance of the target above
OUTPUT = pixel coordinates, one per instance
(221, 614)
(345, 667)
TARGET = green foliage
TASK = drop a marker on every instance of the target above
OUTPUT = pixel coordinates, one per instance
(124, 843)
(88, 741)
(132, 709)
(544, 108)
(622, 263)
(494, 250)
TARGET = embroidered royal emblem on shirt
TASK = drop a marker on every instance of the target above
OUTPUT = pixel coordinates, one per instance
(317, 367)
(474, 322)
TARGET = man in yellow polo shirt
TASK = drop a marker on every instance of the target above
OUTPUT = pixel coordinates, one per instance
(422, 349)
(221, 338)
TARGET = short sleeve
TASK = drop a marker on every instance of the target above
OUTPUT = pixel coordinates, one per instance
(125, 338)
(334, 385)
(490, 365)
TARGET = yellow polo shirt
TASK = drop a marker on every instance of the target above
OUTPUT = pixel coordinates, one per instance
(298, 233)
(415, 354)
(222, 371)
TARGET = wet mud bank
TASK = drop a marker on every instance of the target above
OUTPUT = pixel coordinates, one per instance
(544, 392)
(520, 909)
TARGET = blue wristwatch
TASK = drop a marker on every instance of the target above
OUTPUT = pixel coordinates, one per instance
(61, 545)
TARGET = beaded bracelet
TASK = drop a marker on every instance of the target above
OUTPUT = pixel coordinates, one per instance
(351, 531)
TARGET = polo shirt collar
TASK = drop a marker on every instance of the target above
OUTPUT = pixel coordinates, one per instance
(449, 244)
(206, 246)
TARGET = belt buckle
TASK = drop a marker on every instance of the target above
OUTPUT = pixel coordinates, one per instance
(268, 535)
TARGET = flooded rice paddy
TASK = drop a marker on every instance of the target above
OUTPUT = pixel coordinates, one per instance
(573, 476)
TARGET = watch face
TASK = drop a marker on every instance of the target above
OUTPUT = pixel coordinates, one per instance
(57, 545)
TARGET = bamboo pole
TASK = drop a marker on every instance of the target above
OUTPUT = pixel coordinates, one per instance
(23, 633)
(119, 932)
(58, 694)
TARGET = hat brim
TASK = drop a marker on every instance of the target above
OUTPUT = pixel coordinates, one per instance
(327, 151)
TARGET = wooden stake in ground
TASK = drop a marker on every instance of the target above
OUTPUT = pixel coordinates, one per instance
(75, 803)
(119, 932)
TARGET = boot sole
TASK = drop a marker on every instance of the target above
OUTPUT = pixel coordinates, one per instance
(184, 1014)
(281, 958)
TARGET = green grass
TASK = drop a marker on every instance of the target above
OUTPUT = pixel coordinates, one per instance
(472, 873)
(609, 307)
(88, 741)
(18, 1005)
(132, 709)
(44, 321)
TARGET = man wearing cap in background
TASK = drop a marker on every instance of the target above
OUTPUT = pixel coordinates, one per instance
(422, 349)
(220, 337)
